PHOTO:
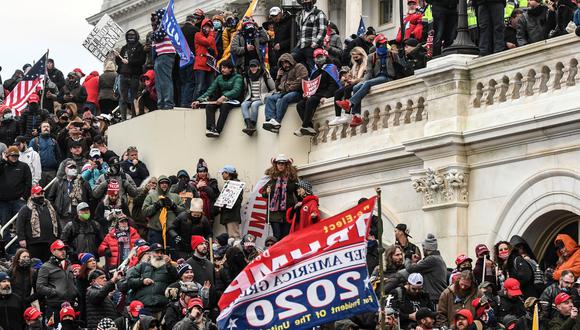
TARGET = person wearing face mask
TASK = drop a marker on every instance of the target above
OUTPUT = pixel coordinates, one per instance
(73, 91)
(205, 46)
(184, 188)
(118, 242)
(230, 23)
(31, 117)
(327, 86)
(188, 223)
(312, 24)
(82, 234)
(116, 173)
(30, 157)
(485, 268)
(218, 22)
(565, 284)
(380, 69)
(23, 276)
(15, 184)
(37, 225)
(462, 262)
(68, 318)
(355, 74)
(33, 319)
(68, 192)
(247, 44)
(9, 127)
(130, 62)
(10, 305)
(50, 156)
(521, 265)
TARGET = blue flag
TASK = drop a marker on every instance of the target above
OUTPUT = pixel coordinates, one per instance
(361, 27)
(171, 27)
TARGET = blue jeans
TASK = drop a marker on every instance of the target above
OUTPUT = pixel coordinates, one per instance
(250, 110)
(361, 90)
(163, 81)
(187, 86)
(277, 104)
(7, 210)
(203, 80)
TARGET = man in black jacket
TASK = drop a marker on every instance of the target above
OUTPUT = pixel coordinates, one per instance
(37, 225)
(99, 305)
(281, 44)
(82, 234)
(10, 127)
(15, 184)
(135, 167)
(10, 305)
(130, 62)
(56, 282)
(444, 23)
(191, 26)
(364, 41)
(32, 117)
(408, 299)
(73, 91)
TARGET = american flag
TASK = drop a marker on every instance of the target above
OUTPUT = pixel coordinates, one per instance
(17, 99)
(361, 27)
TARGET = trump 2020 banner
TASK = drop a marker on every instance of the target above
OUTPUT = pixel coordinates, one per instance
(312, 277)
(171, 27)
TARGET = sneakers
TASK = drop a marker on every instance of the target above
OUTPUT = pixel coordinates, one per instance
(339, 120)
(356, 121)
(298, 132)
(344, 104)
(271, 125)
(275, 123)
(212, 133)
(308, 131)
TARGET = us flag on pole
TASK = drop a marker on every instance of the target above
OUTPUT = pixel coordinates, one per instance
(17, 99)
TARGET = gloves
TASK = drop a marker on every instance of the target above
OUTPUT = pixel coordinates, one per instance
(159, 204)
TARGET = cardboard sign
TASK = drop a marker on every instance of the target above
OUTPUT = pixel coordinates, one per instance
(229, 194)
(103, 38)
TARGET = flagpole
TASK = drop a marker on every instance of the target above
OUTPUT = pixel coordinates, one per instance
(44, 80)
(381, 262)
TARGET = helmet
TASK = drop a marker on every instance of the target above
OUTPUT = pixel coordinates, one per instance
(318, 52)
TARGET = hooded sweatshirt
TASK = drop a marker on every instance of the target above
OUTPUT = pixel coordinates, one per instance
(152, 210)
(91, 84)
(291, 80)
(573, 261)
(204, 45)
(32, 159)
(135, 54)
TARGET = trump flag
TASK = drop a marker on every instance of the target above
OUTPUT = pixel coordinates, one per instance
(171, 27)
(312, 277)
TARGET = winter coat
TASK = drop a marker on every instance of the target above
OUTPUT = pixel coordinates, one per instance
(239, 51)
(150, 75)
(434, 272)
(413, 27)
(92, 175)
(209, 193)
(230, 87)
(32, 159)
(99, 305)
(510, 306)
(23, 283)
(203, 269)
(11, 312)
(335, 47)
(48, 150)
(233, 214)
(59, 197)
(136, 56)
(138, 173)
(374, 66)
(127, 185)
(291, 198)
(450, 303)
(266, 86)
(78, 93)
(24, 227)
(306, 216)
(55, 284)
(82, 236)
(406, 304)
(102, 213)
(291, 80)
(573, 262)
(91, 84)
(204, 45)
(358, 42)
(518, 268)
(56, 77)
(328, 85)
(561, 322)
(152, 209)
(110, 246)
(185, 226)
(283, 34)
(107, 86)
(153, 295)
(173, 314)
(533, 26)
(15, 180)
(9, 130)
(189, 30)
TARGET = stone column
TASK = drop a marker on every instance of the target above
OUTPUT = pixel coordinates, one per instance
(261, 13)
(353, 12)
(323, 5)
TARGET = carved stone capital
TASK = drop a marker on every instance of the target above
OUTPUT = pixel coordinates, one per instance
(442, 188)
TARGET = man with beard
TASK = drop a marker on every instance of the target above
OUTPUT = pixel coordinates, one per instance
(510, 300)
(432, 267)
(98, 302)
(72, 91)
(394, 263)
(149, 279)
(463, 319)
(128, 320)
(410, 298)
(76, 155)
(15, 184)
(457, 296)
(203, 269)
(30, 157)
(425, 319)
(37, 225)
(33, 319)
(567, 317)
(410, 250)
(187, 224)
(126, 183)
(162, 207)
(207, 188)
(56, 282)
(130, 62)
(10, 305)
(31, 117)
(135, 167)
(564, 284)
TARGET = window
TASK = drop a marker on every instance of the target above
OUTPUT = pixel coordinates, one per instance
(385, 11)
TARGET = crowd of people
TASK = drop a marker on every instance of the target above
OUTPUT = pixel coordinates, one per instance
(238, 63)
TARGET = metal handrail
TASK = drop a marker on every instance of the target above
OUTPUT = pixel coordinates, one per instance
(11, 221)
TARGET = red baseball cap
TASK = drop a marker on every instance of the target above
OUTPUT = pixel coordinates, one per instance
(561, 297)
(31, 313)
(512, 287)
(67, 311)
(33, 98)
(78, 70)
(466, 313)
(57, 245)
(142, 250)
(481, 249)
(461, 259)
(194, 302)
(36, 190)
(134, 307)
(318, 52)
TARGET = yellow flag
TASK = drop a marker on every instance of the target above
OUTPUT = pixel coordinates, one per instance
(536, 319)
(249, 13)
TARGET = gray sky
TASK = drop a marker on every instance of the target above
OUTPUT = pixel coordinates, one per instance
(30, 27)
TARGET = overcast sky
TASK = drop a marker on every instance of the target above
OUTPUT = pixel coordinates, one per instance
(30, 27)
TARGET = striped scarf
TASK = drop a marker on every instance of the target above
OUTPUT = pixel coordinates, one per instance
(278, 201)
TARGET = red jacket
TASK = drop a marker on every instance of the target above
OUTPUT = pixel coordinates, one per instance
(306, 216)
(202, 46)
(110, 242)
(413, 27)
(91, 84)
(148, 79)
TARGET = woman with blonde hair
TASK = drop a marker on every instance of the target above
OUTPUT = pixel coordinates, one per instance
(356, 74)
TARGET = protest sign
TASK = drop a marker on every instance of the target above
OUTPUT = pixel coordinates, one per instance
(103, 38)
(230, 193)
(310, 86)
(255, 213)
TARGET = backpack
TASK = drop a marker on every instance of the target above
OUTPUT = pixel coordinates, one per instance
(539, 278)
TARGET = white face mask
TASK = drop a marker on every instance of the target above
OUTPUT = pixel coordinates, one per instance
(71, 172)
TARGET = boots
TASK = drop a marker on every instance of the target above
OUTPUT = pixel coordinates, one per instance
(250, 127)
